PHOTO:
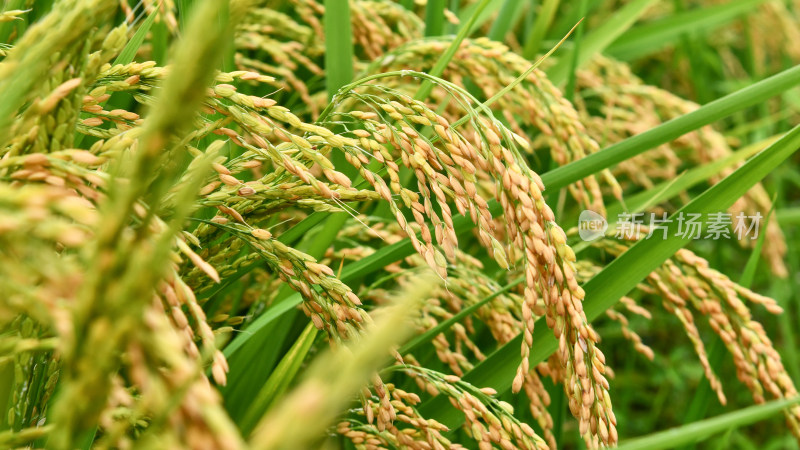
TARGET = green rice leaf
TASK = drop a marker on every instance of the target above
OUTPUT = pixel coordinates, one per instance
(650, 37)
(338, 45)
(600, 38)
(698, 431)
(279, 379)
(129, 52)
(434, 17)
(673, 129)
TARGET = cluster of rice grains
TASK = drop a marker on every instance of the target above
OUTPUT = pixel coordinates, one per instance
(289, 44)
(489, 421)
(452, 168)
(467, 286)
(535, 109)
(688, 287)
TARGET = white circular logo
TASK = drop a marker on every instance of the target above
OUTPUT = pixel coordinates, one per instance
(591, 225)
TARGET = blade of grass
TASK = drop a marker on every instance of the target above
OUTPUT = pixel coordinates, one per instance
(650, 37)
(184, 8)
(669, 189)
(599, 39)
(229, 55)
(704, 395)
(705, 115)
(509, 14)
(691, 49)
(338, 45)
(544, 18)
(159, 41)
(572, 57)
(271, 314)
(278, 380)
(6, 379)
(698, 431)
(558, 409)
(445, 325)
(437, 70)
(455, 8)
(434, 17)
(784, 290)
(129, 52)
(789, 216)
(640, 203)
(481, 14)
(621, 275)
(749, 271)
(88, 439)
(664, 191)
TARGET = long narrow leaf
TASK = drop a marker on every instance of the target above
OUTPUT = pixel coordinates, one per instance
(434, 17)
(596, 41)
(537, 32)
(698, 431)
(572, 57)
(437, 70)
(481, 13)
(279, 379)
(129, 52)
(509, 14)
(338, 45)
(445, 325)
(673, 129)
(653, 36)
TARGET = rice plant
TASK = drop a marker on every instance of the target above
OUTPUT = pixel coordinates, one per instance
(376, 224)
